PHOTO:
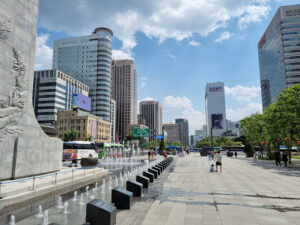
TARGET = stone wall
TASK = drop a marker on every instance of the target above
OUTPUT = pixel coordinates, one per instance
(25, 149)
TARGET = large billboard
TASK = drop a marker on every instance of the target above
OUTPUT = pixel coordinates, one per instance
(81, 101)
(217, 121)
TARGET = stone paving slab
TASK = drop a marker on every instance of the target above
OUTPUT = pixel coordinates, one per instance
(244, 193)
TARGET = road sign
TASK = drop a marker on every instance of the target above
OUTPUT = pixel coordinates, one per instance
(138, 132)
(159, 137)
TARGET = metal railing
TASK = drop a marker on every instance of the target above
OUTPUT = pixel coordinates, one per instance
(33, 183)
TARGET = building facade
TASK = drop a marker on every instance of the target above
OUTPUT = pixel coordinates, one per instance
(199, 135)
(173, 132)
(113, 119)
(151, 111)
(184, 131)
(233, 128)
(192, 141)
(86, 124)
(88, 59)
(215, 109)
(53, 90)
(279, 53)
(124, 92)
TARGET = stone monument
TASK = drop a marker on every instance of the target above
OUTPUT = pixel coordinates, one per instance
(25, 149)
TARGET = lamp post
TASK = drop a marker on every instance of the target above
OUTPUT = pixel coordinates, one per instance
(211, 134)
(155, 134)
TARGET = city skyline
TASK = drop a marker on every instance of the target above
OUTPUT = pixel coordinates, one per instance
(208, 52)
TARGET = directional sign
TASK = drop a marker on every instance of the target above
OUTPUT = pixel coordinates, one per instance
(138, 132)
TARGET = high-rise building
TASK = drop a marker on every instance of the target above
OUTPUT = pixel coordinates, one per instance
(199, 135)
(279, 53)
(124, 92)
(192, 141)
(88, 59)
(53, 90)
(173, 131)
(233, 128)
(215, 109)
(204, 131)
(113, 119)
(184, 131)
(151, 111)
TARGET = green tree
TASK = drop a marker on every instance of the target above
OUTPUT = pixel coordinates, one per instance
(162, 145)
(89, 138)
(70, 135)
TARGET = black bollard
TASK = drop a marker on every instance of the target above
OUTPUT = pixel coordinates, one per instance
(134, 187)
(154, 172)
(99, 212)
(149, 175)
(121, 198)
(144, 180)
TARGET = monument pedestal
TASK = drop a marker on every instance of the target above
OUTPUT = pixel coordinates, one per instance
(25, 150)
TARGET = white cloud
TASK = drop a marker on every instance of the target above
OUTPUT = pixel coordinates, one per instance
(242, 93)
(143, 78)
(181, 107)
(177, 19)
(196, 119)
(170, 54)
(194, 43)
(224, 36)
(147, 99)
(142, 84)
(43, 53)
(176, 102)
(240, 113)
(119, 54)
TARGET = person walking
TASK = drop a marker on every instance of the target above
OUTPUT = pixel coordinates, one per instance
(149, 154)
(218, 159)
(235, 154)
(285, 158)
(277, 158)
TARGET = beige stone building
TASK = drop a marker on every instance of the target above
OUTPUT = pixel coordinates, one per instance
(86, 124)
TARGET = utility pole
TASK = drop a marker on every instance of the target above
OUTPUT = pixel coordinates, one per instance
(211, 135)
(155, 135)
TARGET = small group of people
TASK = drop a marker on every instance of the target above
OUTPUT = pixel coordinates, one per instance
(218, 159)
(278, 158)
(277, 155)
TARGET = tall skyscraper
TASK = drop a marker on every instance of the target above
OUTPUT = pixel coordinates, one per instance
(151, 111)
(184, 131)
(113, 119)
(88, 59)
(173, 131)
(199, 135)
(215, 109)
(124, 91)
(279, 53)
(53, 90)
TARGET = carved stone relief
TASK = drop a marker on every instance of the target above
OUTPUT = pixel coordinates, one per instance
(12, 108)
(5, 29)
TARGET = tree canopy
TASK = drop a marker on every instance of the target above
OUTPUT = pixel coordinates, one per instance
(70, 135)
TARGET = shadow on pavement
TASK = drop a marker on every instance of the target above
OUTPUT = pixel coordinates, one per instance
(290, 170)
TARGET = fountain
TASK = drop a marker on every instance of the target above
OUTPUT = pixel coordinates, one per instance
(87, 190)
(96, 186)
(93, 193)
(116, 180)
(75, 196)
(46, 218)
(110, 183)
(81, 201)
(59, 203)
(66, 205)
(40, 212)
(12, 220)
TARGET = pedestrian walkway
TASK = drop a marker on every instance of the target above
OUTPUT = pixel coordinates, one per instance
(243, 194)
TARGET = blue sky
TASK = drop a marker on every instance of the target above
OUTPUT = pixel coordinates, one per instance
(178, 46)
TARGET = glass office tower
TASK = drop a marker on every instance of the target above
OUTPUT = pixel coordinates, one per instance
(279, 53)
(88, 59)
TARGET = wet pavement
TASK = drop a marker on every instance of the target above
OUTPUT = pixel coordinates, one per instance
(243, 194)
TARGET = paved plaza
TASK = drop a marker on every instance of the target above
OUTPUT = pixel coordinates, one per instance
(245, 193)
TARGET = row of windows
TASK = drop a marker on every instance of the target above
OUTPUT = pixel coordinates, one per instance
(291, 33)
(293, 63)
(292, 39)
(291, 45)
(292, 70)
